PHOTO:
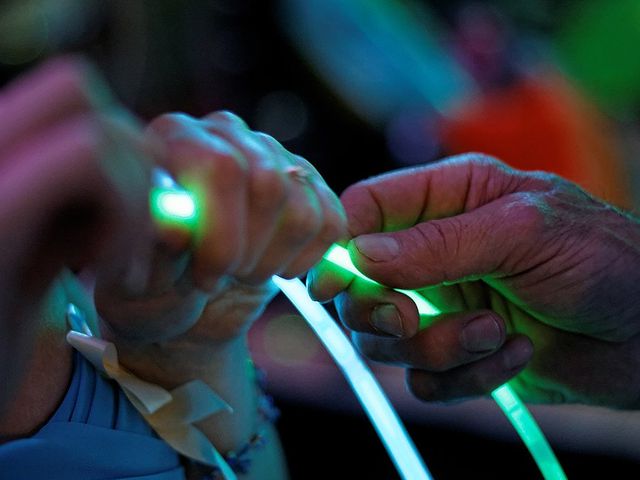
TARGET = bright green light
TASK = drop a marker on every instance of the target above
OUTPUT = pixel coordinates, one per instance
(174, 207)
(340, 256)
(171, 204)
(176, 204)
(383, 417)
(529, 431)
(506, 398)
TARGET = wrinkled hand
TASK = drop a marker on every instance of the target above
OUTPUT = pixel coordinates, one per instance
(528, 269)
(265, 211)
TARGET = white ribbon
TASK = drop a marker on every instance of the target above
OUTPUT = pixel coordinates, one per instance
(170, 413)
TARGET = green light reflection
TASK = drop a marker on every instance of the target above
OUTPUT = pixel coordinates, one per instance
(177, 207)
(174, 208)
(506, 398)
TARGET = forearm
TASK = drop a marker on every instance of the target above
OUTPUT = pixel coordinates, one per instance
(227, 369)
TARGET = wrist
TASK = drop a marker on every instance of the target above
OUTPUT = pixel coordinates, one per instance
(178, 368)
(173, 363)
(226, 369)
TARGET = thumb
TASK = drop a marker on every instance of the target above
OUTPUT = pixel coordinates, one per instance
(489, 240)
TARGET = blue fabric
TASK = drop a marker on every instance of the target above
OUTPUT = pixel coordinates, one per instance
(96, 434)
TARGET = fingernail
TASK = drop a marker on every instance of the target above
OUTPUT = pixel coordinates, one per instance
(481, 334)
(379, 248)
(517, 354)
(311, 278)
(386, 319)
(310, 283)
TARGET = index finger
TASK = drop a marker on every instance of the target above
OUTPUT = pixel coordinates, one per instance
(403, 198)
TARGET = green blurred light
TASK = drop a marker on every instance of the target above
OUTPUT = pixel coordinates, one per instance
(595, 43)
(172, 207)
(375, 403)
(530, 432)
(340, 256)
(170, 204)
(506, 398)
(24, 32)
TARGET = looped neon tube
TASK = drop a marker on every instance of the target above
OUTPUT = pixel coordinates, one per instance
(506, 398)
(170, 203)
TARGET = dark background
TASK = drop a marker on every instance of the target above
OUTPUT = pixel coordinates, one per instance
(198, 56)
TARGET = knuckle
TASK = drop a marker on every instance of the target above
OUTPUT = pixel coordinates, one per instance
(181, 148)
(527, 211)
(541, 181)
(477, 162)
(303, 162)
(439, 241)
(482, 160)
(268, 141)
(432, 235)
(215, 154)
(255, 149)
(168, 123)
(227, 117)
(488, 178)
(550, 179)
(279, 154)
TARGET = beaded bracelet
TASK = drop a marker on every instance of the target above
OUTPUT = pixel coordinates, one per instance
(165, 410)
(240, 460)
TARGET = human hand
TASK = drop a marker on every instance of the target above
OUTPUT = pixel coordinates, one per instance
(265, 211)
(65, 146)
(528, 270)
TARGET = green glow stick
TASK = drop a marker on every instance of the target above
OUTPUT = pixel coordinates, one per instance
(173, 205)
(504, 396)
(376, 405)
(170, 204)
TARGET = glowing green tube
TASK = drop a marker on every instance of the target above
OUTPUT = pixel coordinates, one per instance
(529, 431)
(394, 437)
(504, 396)
(171, 204)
